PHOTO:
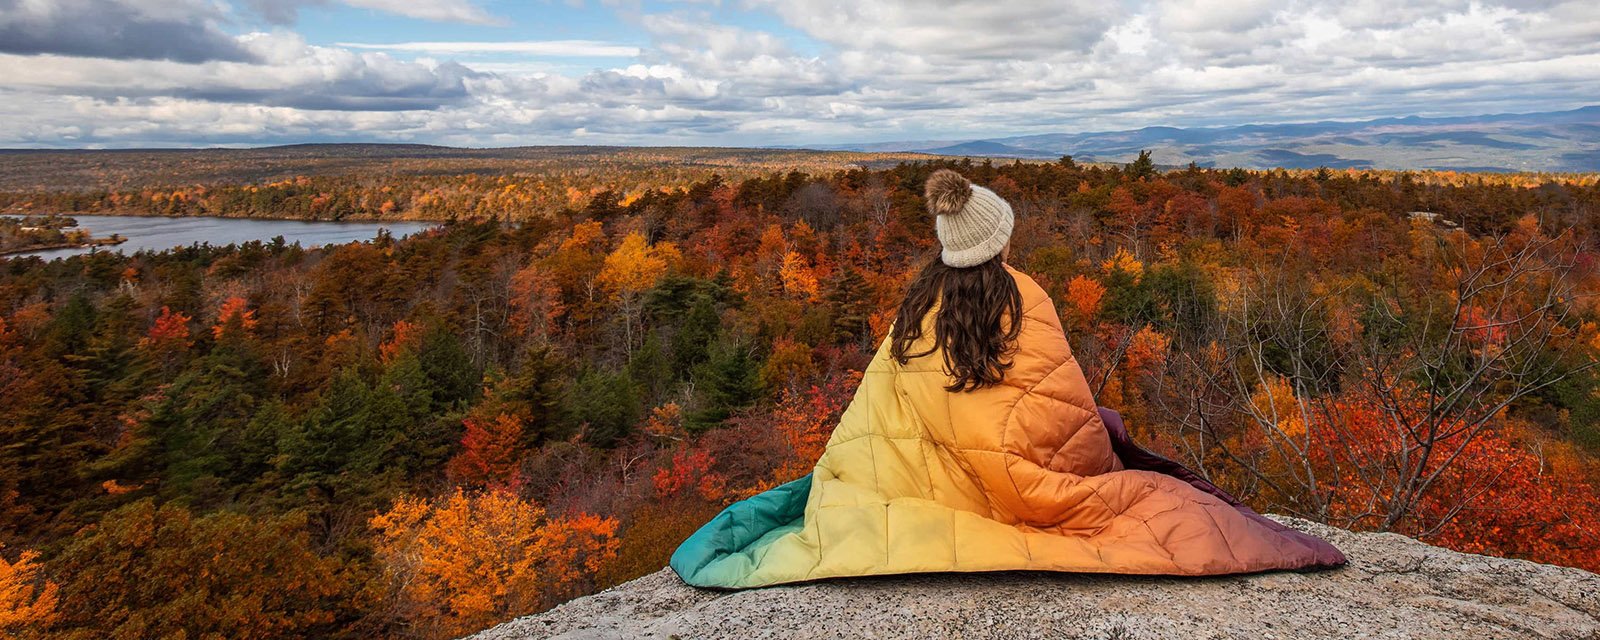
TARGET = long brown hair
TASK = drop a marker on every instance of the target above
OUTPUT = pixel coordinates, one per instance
(979, 319)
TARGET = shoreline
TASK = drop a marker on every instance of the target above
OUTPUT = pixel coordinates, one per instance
(122, 214)
(93, 242)
(119, 232)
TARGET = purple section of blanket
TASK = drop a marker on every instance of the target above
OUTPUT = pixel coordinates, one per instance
(1135, 457)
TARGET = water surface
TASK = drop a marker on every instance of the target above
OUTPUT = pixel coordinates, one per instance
(158, 233)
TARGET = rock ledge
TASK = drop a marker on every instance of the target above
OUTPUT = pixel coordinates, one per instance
(1394, 587)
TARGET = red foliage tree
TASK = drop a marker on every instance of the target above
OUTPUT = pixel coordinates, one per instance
(490, 452)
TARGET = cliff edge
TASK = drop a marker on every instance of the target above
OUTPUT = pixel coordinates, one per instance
(1394, 587)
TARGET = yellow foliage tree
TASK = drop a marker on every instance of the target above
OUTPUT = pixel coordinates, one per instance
(1275, 401)
(1124, 261)
(631, 270)
(636, 265)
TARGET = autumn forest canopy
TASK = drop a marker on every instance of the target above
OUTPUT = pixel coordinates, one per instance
(595, 352)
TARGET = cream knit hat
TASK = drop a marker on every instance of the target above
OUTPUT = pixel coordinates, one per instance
(973, 223)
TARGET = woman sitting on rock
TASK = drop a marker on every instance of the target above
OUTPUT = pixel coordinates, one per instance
(975, 444)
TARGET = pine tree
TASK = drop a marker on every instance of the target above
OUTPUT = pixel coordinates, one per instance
(729, 380)
(451, 374)
(699, 329)
(338, 451)
(541, 388)
(1143, 167)
(111, 366)
(605, 406)
(72, 326)
(651, 370)
(850, 303)
(420, 438)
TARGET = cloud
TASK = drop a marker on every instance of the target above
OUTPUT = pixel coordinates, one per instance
(440, 10)
(946, 29)
(279, 12)
(814, 72)
(556, 48)
(286, 12)
(285, 72)
(744, 63)
(181, 30)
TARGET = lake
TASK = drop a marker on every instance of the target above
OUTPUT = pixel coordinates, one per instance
(157, 233)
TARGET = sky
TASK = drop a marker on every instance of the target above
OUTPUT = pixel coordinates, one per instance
(490, 73)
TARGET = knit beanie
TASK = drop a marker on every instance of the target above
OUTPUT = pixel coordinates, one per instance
(973, 223)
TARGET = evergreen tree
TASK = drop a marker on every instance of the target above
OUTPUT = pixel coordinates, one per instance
(1142, 168)
(72, 326)
(194, 442)
(258, 445)
(43, 440)
(337, 452)
(421, 440)
(729, 380)
(200, 424)
(651, 369)
(541, 387)
(451, 375)
(850, 303)
(675, 294)
(113, 372)
(604, 206)
(605, 406)
(693, 340)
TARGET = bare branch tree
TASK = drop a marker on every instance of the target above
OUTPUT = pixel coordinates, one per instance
(1444, 347)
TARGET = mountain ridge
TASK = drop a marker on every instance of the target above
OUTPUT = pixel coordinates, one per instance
(1567, 141)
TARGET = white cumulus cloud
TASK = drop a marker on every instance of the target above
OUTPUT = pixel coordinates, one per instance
(821, 71)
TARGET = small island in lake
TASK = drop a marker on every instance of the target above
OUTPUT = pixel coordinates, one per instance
(35, 233)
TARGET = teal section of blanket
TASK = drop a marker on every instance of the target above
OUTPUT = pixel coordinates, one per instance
(728, 548)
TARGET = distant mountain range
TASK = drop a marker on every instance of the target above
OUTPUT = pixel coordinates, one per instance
(1557, 141)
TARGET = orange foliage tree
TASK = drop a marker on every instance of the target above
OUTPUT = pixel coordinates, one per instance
(235, 319)
(405, 336)
(1084, 295)
(168, 336)
(465, 561)
(27, 602)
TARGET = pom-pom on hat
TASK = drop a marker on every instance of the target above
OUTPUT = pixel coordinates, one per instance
(973, 223)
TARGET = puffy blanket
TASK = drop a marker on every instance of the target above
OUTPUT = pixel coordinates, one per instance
(1029, 474)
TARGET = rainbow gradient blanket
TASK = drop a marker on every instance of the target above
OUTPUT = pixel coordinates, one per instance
(1026, 475)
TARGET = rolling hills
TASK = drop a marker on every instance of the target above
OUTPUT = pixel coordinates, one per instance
(1566, 141)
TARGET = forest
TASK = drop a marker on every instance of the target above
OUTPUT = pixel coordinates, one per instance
(422, 437)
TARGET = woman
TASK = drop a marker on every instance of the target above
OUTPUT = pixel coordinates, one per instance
(974, 444)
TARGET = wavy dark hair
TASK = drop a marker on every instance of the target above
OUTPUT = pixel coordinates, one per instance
(979, 319)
